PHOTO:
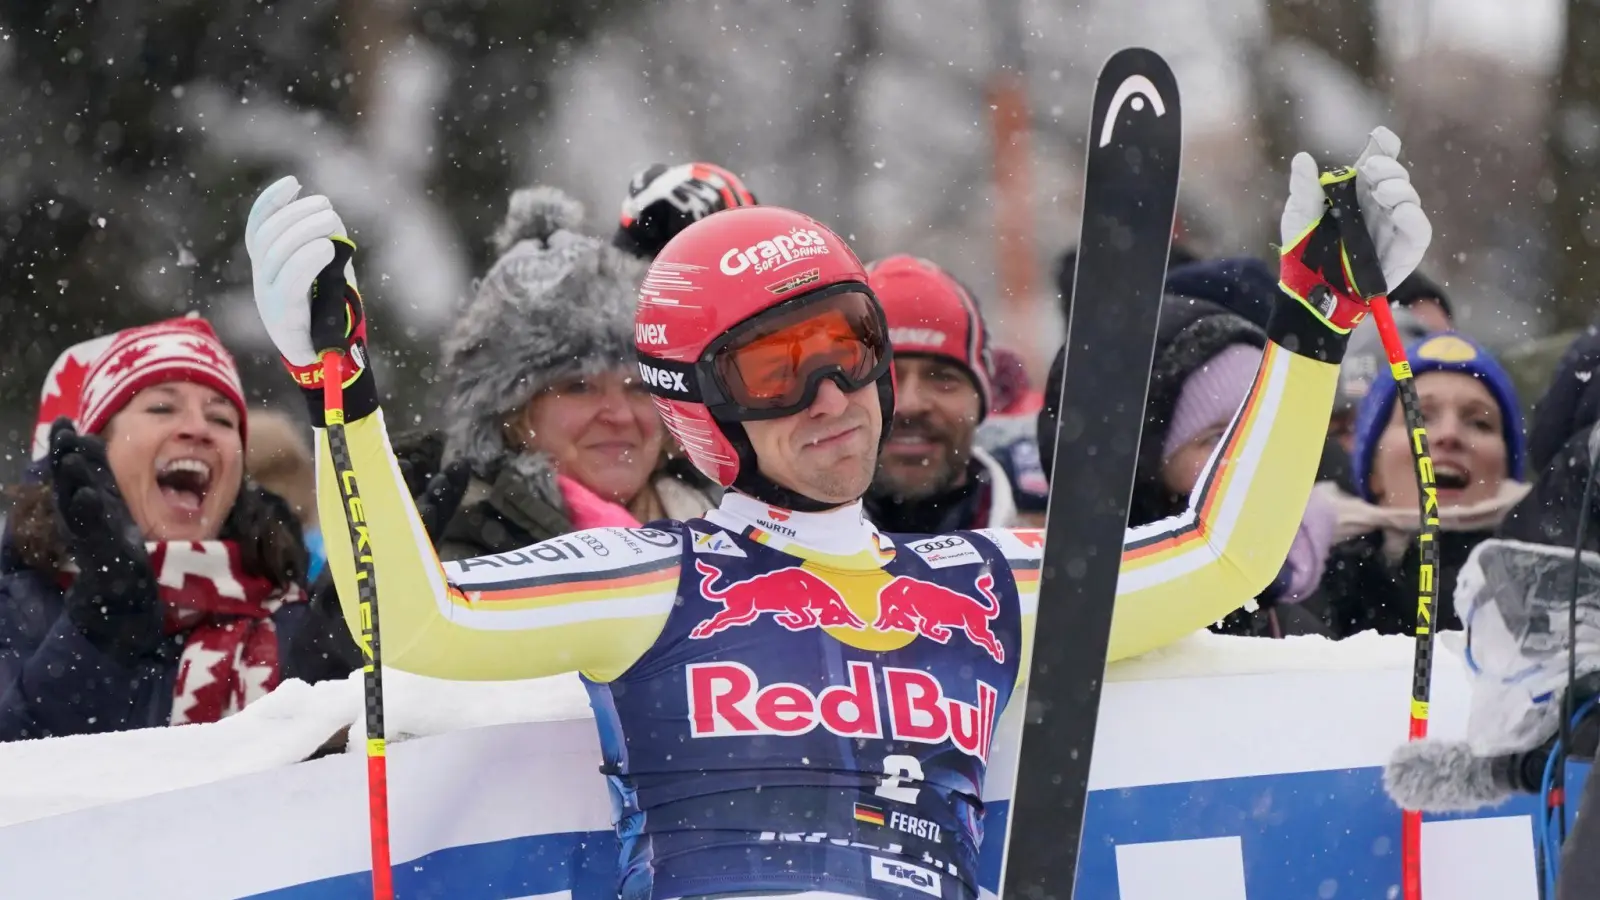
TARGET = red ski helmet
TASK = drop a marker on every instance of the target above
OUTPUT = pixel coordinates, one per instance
(930, 313)
(741, 317)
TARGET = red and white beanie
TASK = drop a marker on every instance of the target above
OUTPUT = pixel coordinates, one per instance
(931, 314)
(92, 381)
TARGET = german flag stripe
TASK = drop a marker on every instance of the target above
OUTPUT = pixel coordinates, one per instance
(1225, 467)
(561, 581)
(643, 583)
(869, 814)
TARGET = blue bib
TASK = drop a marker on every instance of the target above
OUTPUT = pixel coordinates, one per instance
(802, 726)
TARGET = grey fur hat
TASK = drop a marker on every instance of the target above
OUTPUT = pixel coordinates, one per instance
(555, 304)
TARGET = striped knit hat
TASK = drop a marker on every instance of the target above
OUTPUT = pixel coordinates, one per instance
(92, 381)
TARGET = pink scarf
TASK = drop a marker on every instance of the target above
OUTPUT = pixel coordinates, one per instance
(586, 509)
(230, 647)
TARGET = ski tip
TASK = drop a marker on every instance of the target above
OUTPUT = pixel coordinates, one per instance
(1136, 98)
(1136, 57)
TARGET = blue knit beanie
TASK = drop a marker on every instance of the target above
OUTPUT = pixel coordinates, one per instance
(1447, 351)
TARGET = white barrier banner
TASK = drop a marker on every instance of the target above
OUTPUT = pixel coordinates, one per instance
(1225, 769)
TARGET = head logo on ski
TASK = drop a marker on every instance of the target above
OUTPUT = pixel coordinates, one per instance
(1138, 89)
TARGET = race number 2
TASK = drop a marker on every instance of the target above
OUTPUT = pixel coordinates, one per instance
(898, 768)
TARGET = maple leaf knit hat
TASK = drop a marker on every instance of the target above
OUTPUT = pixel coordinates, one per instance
(92, 381)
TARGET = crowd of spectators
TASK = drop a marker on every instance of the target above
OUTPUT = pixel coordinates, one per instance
(162, 560)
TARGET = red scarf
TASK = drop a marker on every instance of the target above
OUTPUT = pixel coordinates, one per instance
(230, 652)
(230, 647)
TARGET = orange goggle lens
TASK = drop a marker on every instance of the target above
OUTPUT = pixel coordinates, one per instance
(773, 368)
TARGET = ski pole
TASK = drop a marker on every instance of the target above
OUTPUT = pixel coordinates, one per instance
(1363, 271)
(330, 319)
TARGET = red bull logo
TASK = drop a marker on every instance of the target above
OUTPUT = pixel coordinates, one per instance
(796, 599)
(935, 612)
(726, 699)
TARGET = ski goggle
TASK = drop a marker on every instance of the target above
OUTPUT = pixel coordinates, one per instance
(773, 364)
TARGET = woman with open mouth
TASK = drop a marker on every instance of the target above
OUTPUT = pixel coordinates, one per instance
(143, 581)
(1475, 438)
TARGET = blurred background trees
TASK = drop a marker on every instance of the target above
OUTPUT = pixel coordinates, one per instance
(137, 133)
(1571, 186)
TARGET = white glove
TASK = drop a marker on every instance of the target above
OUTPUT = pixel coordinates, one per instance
(1390, 206)
(287, 240)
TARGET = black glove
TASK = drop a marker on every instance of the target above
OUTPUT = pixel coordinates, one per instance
(114, 600)
(436, 487)
(322, 649)
(664, 200)
(420, 455)
(271, 542)
(439, 500)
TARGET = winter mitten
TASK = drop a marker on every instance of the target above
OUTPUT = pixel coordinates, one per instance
(270, 539)
(113, 600)
(439, 500)
(321, 649)
(420, 456)
(305, 291)
(664, 200)
(1312, 266)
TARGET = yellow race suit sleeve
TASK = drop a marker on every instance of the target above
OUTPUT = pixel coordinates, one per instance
(591, 601)
(1185, 572)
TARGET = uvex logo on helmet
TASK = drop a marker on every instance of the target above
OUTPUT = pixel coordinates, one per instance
(663, 379)
(776, 252)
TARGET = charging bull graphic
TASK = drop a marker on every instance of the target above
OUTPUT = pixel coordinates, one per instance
(796, 598)
(932, 611)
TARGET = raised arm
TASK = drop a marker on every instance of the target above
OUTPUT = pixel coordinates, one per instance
(591, 602)
(1188, 571)
(1183, 573)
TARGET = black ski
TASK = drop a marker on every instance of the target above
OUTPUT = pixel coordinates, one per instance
(1130, 196)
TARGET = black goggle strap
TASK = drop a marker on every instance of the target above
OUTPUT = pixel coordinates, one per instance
(674, 380)
(670, 378)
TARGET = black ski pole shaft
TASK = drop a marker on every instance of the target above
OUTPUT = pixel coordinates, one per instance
(329, 327)
(1364, 272)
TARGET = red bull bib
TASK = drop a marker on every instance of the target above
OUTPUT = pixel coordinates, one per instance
(807, 724)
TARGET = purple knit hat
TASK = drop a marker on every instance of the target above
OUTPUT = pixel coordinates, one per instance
(1211, 395)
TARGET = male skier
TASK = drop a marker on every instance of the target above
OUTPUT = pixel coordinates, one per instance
(790, 701)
